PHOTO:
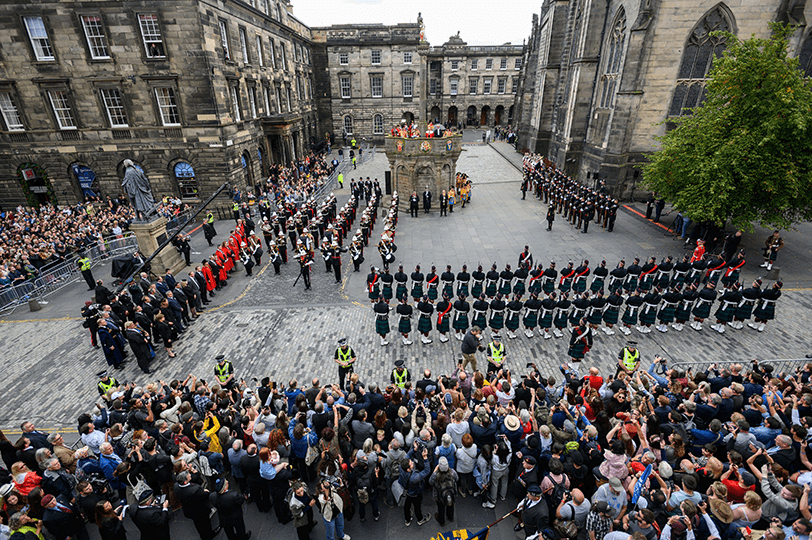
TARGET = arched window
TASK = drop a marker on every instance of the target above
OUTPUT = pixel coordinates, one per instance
(377, 124)
(185, 177)
(348, 124)
(805, 57)
(700, 50)
(614, 60)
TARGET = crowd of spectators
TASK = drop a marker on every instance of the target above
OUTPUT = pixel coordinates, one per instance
(656, 453)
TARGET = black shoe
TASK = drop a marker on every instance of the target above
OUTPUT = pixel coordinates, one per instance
(149, 372)
(216, 531)
(518, 527)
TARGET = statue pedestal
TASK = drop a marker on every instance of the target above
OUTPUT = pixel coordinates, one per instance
(151, 235)
(425, 162)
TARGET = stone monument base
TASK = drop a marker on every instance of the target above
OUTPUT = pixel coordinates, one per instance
(150, 236)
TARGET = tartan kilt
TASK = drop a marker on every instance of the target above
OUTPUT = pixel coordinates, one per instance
(597, 285)
(630, 316)
(546, 321)
(432, 292)
(401, 291)
(678, 280)
(560, 320)
(512, 321)
(576, 316)
(727, 281)
(744, 311)
(594, 316)
(417, 291)
(682, 313)
(702, 310)
(476, 290)
(461, 322)
(490, 289)
(504, 290)
(611, 315)
(725, 315)
(424, 324)
(648, 315)
(666, 314)
(530, 319)
(387, 292)
(535, 286)
(497, 321)
(382, 326)
(548, 286)
(579, 285)
(374, 293)
(630, 284)
(645, 283)
(615, 285)
(462, 289)
(577, 350)
(448, 290)
(442, 326)
(565, 285)
(405, 325)
(693, 280)
(662, 280)
(713, 279)
(479, 320)
(519, 288)
(766, 313)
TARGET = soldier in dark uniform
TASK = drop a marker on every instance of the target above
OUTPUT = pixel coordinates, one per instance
(417, 283)
(702, 309)
(733, 271)
(549, 278)
(335, 259)
(478, 278)
(715, 269)
(728, 303)
(401, 289)
(381, 310)
(580, 305)
(663, 278)
(425, 311)
(505, 281)
(580, 342)
(562, 312)
(463, 279)
(765, 311)
(588, 214)
(629, 319)
(632, 276)
(480, 309)
(617, 277)
(460, 324)
(526, 258)
(491, 283)
(357, 253)
(443, 318)
(599, 277)
(594, 314)
(581, 277)
(550, 217)
(414, 204)
(386, 281)
(432, 282)
(447, 279)
(671, 299)
(305, 261)
(647, 274)
(532, 306)
(612, 312)
(514, 313)
(547, 311)
(534, 286)
(567, 276)
(274, 256)
(744, 310)
(683, 312)
(373, 284)
(681, 270)
(496, 321)
(282, 246)
(648, 315)
(697, 271)
(404, 311)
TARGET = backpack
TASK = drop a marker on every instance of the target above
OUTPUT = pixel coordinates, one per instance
(447, 488)
(394, 469)
(555, 496)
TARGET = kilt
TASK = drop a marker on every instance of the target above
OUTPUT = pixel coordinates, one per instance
(374, 292)
(666, 314)
(560, 319)
(424, 324)
(678, 280)
(579, 285)
(631, 283)
(432, 292)
(504, 290)
(548, 286)
(476, 290)
(530, 319)
(595, 316)
(479, 320)
(693, 278)
(646, 282)
(611, 315)
(442, 326)
(745, 310)
(405, 325)
(576, 316)
(546, 319)
(713, 279)
(662, 280)
(461, 322)
(683, 312)
(387, 292)
(577, 350)
(648, 314)
(512, 321)
(702, 309)
(765, 311)
(490, 289)
(535, 286)
(630, 316)
(519, 288)
(401, 291)
(417, 291)
(597, 285)
(497, 320)
(382, 325)
(448, 290)
(462, 288)
(565, 285)
(730, 279)
(615, 285)
(726, 311)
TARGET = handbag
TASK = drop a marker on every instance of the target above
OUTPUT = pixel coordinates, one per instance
(397, 491)
(312, 454)
(565, 528)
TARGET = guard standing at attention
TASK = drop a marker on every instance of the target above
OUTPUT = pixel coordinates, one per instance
(345, 358)
(84, 266)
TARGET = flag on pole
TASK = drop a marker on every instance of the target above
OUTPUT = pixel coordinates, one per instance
(638, 487)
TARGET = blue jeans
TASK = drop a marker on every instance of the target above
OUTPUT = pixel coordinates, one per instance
(686, 223)
(335, 528)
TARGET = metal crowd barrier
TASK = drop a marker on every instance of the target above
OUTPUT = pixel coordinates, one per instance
(780, 365)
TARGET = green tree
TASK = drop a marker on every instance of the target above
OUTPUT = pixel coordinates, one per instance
(746, 153)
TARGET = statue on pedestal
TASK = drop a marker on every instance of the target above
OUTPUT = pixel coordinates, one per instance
(136, 186)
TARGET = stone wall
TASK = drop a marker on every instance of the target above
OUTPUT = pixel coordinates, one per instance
(423, 162)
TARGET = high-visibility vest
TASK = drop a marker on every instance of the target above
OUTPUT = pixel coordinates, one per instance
(85, 264)
(210, 218)
(344, 357)
(497, 355)
(400, 378)
(630, 360)
(106, 386)
(235, 207)
(222, 371)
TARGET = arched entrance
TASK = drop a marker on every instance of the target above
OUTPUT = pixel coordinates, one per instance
(185, 179)
(435, 114)
(409, 117)
(85, 178)
(423, 178)
(248, 174)
(452, 117)
(36, 185)
(484, 116)
(470, 116)
(498, 114)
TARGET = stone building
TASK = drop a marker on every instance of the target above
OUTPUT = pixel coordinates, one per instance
(195, 93)
(601, 79)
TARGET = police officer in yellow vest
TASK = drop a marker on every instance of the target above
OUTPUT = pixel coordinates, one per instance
(235, 209)
(105, 383)
(84, 266)
(345, 358)
(224, 372)
(629, 359)
(496, 354)
(400, 375)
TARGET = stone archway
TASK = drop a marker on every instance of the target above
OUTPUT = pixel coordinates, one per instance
(435, 114)
(452, 116)
(470, 116)
(424, 177)
(408, 116)
(498, 115)
(484, 116)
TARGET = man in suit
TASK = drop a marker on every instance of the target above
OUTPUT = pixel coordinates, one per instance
(62, 518)
(150, 518)
(196, 506)
(103, 294)
(426, 200)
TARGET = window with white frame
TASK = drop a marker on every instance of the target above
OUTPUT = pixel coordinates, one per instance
(489, 63)
(114, 105)
(407, 57)
(432, 86)
(284, 55)
(472, 84)
(11, 115)
(151, 34)
(517, 64)
(96, 40)
(252, 100)
(348, 124)
(486, 85)
(235, 103)
(62, 110)
(273, 52)
(474, 64)
(260, 57)
(503, 63)
(267, 93)
(297, 52)
(501, 84)
(376, 57)
(345, 87)
(279, 99)
(407, 85)
(244, 46)
(299, 87)
(455, 65)
(344, 58)
(453, 86)
(39, 38)
(377, 124)
(377, 86)
(224, 40)
(168, 106)
(514, 85)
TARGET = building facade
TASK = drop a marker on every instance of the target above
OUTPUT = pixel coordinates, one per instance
(601, 80)
(195, 93)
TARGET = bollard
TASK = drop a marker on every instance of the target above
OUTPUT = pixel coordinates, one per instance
(34, 305)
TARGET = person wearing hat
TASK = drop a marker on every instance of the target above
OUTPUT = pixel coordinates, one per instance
(381, 310)
(106, 383)
(305, 260)
(580, 342)
(628, 359)
(765, 311)
(224, 372)
(151, 519)
(400, 375)
(496, 354)
(527, 475)
(229, 508)
(196, 505)
(404, 311)
(599, 520)
(335, 259)
(444, 480)
(614, 494)
(345, 358)
(425, 310)
(535, 515)
(62, 519)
